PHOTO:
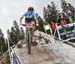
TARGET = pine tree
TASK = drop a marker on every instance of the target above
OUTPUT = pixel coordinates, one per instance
(64, 6)
(70, 7)
(50, 14)
(14, 35)
(6, 44)
(15, 24)
(17, 30)
(2, 42)
(40, 28)
(9, 37)
(47, 13)
(54, 12)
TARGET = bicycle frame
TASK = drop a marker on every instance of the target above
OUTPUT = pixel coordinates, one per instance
(29, 39)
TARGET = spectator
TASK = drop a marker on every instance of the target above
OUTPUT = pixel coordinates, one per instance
(62, 20)
(70, 16)
(53, 25)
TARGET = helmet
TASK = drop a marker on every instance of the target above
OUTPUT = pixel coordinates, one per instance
(30, 9)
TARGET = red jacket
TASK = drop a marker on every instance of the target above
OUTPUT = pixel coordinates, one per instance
(53, 26)
(63, 22)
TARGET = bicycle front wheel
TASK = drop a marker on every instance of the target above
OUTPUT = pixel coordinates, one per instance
(29, 41)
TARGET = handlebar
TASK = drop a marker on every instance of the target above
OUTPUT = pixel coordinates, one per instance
(25, 25)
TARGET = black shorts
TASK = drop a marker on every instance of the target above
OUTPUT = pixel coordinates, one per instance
(29, 20)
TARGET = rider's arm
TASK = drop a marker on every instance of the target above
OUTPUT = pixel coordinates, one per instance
(25, 14)
(37, 22)
(21, 19)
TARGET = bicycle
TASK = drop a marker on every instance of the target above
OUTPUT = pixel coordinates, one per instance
(29, 39)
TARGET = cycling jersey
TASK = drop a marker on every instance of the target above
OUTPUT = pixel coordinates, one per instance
(29, 17)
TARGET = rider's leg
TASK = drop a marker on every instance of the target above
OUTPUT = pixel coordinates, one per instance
(33, 26)
(26, 32)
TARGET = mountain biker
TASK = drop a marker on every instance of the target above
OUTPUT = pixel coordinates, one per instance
(30, 19)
